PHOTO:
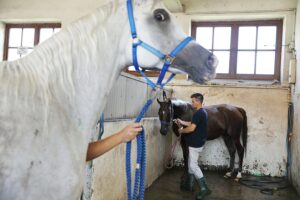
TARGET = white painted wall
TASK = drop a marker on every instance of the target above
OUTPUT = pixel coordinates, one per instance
(295, 172)
(50, 11)
(266, 108)
(241, 6)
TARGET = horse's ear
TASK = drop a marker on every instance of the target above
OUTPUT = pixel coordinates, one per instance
(165, 95)
(158, 101)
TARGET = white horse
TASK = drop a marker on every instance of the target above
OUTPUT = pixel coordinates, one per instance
(51, 99)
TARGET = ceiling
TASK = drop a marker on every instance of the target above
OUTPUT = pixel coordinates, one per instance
(174, 5)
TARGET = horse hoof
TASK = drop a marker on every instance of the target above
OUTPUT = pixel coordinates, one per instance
(237, 180)
(227, 177)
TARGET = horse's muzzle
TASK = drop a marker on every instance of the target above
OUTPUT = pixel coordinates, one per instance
(164, 130)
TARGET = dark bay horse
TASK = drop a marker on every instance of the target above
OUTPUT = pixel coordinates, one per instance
(226, 121)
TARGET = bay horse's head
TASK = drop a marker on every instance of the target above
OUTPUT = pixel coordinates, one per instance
(156, 26)
(165, 114)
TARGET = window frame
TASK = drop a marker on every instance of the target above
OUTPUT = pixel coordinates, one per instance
(234, 46)
(36, 26)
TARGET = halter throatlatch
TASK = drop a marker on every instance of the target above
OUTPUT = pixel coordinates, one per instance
(139, 185)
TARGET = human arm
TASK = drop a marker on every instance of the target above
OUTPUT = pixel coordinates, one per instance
(188, 129)
(98, 148)
(182, 123)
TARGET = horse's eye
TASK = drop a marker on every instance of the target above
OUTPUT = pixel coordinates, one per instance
(161, 15)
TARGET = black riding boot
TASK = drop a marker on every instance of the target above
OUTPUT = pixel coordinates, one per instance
(204, 191)
(188, 184)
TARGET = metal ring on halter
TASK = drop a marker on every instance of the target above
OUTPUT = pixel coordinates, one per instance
(169, 59)
(136, 41)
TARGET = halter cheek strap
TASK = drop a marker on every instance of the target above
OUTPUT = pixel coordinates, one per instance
(167, 58)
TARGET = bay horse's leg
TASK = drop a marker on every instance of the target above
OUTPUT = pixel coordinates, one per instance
(240, 150)
(185, 153)
(231, 149)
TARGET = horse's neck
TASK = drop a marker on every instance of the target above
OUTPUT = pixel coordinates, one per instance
(82, 62)
(97, 69)
(183, 111)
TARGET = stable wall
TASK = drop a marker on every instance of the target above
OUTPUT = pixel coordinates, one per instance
(266, 108)
(295, 169)
(109, 179)
(46, 11)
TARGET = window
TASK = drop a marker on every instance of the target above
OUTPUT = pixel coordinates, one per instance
(246, 49)
(20, 39)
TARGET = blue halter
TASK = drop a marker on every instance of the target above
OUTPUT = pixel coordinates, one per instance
(140, 171)
(168, 59)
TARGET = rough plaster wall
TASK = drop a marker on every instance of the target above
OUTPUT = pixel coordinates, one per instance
(237, 5)
(55, 10)
(109, 180)
(295, 171)
(267, 124)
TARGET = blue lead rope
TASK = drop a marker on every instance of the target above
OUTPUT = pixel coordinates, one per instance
(139, 185)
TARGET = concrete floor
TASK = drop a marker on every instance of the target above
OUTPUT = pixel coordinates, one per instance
(167, 188)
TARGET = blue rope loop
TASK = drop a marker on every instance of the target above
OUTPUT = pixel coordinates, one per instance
(139, 184)
(128, 169)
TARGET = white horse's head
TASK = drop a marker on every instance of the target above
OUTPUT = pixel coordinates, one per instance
(157, 27)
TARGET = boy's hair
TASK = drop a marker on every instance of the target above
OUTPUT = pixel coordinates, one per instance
(198, 96)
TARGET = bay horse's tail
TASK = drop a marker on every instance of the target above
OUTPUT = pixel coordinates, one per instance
(244, 130)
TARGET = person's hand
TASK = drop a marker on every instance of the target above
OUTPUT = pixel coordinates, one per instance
(130, 131)
(178, 121)
(180, 130)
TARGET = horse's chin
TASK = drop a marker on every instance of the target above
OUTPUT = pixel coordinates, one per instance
(201, 80)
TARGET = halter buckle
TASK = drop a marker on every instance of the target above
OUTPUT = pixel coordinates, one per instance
(169, 59)
(136, 41)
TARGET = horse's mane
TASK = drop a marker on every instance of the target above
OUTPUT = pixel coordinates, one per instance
(178, 102)
(51, 64)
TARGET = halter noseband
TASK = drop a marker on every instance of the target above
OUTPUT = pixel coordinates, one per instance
(168, 58)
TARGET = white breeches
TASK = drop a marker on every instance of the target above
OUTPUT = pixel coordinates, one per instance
(193, 162)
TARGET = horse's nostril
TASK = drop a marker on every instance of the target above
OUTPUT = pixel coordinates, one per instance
(213, 61)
